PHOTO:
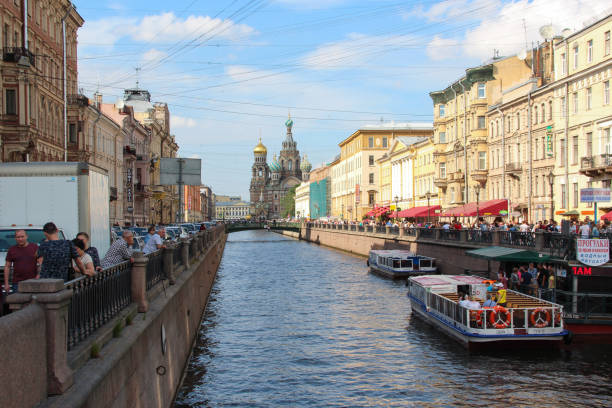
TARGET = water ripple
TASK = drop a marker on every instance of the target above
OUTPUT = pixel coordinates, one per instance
(291, 324)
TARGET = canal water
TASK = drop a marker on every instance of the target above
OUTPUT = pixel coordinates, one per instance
(292, 324)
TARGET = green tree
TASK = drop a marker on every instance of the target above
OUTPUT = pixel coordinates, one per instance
(288, 203)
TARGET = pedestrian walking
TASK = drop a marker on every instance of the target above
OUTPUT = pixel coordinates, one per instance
(22, 258)
(56, 255)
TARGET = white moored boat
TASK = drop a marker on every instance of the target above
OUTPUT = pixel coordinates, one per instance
(400, 264)
(524, 318)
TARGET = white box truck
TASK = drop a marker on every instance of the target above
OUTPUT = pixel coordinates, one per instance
(74, 196)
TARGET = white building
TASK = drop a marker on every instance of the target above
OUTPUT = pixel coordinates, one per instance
(232, 210)
(302, 200)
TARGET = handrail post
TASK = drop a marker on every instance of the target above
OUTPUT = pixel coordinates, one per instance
(387, 229)
(539, 241)
(54, 299)
(495, 238)
(139, 281)
(185, 251)
(168, 262)
(401, 230)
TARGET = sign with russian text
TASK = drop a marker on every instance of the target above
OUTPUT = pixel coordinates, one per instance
(549, 141)
(593, 252)
(595, 195)
(357, 194)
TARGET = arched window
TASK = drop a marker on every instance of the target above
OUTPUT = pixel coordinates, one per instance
(518, 120)
(492, 130)
(542, 113)
(283, 164)
(290, 165)
(535, 114)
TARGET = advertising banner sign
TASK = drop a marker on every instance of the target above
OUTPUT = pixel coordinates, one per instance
(549, 141)
(593, 252)
(595, 195)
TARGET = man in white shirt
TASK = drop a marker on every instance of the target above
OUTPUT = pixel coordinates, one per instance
(473, 303)
(584, 230)
(524, 227)
(155, 242)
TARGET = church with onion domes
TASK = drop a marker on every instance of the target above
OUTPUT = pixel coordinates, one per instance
(271, 181)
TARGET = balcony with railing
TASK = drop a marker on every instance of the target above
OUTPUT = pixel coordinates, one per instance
(514, 169)
(19, 55)
(594, 166)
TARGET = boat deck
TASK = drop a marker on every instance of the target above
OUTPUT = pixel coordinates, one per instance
(513, 300)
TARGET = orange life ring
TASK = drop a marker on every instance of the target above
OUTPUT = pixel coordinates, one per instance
(535, 318)
(496, 320)
(477, 316)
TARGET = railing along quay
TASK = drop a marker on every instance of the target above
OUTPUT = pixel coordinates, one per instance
(555, 244)
(96, 300)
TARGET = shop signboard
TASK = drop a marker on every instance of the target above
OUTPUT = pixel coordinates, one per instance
(595, 195)
(549, 141)
(593, 252)
(357, 194)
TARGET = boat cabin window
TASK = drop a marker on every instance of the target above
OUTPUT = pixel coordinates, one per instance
(406, 263)
(396, 263)
(425, 263)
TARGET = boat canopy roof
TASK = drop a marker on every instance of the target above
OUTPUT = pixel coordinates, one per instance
(497, 253)
(433, 281)
(397, 253)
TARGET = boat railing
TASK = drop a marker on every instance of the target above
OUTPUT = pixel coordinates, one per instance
(546, 315)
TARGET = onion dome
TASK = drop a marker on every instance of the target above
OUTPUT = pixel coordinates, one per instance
(306, 166)
(274, 165)
(260, 148)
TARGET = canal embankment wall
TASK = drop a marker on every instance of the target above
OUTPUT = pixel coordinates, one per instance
(450, 256)
(144, 366)
(121, 338)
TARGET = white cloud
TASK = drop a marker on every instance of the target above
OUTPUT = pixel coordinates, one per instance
(182, 122)
(357, 49)
(442, 48)
(172, 28)
(153, 55)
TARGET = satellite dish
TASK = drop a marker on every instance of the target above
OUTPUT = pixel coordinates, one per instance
(522, 55)
(120, 103)
(547, 32)
(566, 32)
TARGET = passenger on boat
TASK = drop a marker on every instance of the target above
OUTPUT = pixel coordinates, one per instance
(501, 297)
(489, 302)
(464, 301)
(473, 303)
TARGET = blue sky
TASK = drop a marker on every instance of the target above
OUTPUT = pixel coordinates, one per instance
(231, 70)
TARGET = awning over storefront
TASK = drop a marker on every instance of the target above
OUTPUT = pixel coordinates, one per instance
(375, 212)
(422, 211)
(485, 209)
(606, 216)
(503, 254)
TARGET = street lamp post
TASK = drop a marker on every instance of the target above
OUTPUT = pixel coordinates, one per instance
(342, 214)
(477, 191)
(428, 195)
(551, 181)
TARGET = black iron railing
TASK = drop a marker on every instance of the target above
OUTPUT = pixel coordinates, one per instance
(177, 256)
(479, 236)
(96, 300)
(429, 233)
(517, 238)
(155, 269)
(584, 305)
(450, 235)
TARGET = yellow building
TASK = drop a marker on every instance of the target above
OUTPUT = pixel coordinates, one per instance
(407, 172)
(355, 176)
(583, 115)
(460, 127)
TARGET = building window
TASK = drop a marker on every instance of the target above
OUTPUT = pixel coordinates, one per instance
(607, 43)
(563, 106)
(535, 114)
(575, 57)
(442, 136)
(589, 137)
(482, 160)
(442, 170)
(550, 109)
(371, 160)
(563, 196)
(542, 113)
(481, 90)
(371, 178)
(11, 102)
(370, 142)
(518, 120)
(589, 50)
(589, 97)
(481, 122)
(384, 142)
(442, 110)
(371, 198)
(606, 95)
(562, 152)
(576, 197)
(72, 133)
(563, 64)
(575, 150)
(575, 100)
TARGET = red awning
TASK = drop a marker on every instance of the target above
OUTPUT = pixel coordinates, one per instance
(485, 209)
(422, 211)
(606, 216)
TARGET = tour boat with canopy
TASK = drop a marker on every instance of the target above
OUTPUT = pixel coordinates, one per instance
(435, 298)
(400, 264)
